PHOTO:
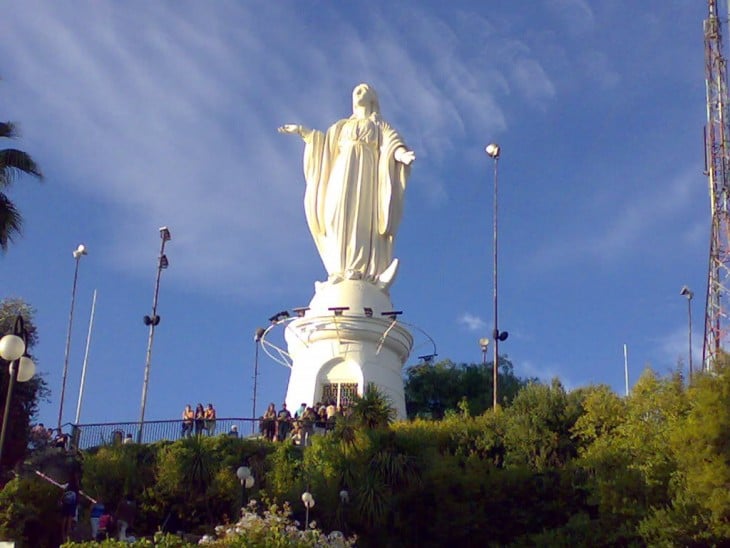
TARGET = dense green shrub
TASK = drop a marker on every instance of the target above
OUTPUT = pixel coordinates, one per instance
(557, 467)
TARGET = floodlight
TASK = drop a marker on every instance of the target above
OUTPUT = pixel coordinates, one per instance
(492, 150)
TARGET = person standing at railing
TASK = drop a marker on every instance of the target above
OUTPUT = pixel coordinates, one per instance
(283, 423)
(309, 417)
(270, 422)
(199, 419)
(187, 421)
(210, 419)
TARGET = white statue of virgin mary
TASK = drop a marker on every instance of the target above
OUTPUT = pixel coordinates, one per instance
(356, 174)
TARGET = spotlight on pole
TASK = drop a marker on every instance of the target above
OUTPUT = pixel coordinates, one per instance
(493, 152)
(338, 310)
(687, 292)
(77, 253)
(152, 321)
(80, 250)
(279, 317)
(484, 344)
(257, 336)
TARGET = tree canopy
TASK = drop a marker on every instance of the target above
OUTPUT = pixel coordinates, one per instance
(551, 467)
(433, 389)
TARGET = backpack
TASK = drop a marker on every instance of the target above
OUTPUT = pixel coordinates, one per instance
(68, 498)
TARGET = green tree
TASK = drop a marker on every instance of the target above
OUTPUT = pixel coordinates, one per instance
(698, 512)
(12, 163)
(625, 455)
(29, 512)
(433, 389)
(538, 428)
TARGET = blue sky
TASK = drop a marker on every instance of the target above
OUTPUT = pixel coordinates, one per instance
(143, 114)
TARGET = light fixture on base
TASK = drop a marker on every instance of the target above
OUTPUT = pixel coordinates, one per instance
(13, 348)
(247, 481)
(308, 501)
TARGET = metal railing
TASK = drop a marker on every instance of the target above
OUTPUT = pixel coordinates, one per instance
(84, 436)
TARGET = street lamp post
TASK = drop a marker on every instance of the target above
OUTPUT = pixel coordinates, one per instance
(258, 335)
(308, 501)
(152, 321)
(687, 292)
(247, 481)
(493, 151)
(13, 349)
(484, 344)
(79, 252)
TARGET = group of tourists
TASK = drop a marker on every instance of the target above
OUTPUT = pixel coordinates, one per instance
(202, 419)
(42, 437)
(104, 524)
(306, 421)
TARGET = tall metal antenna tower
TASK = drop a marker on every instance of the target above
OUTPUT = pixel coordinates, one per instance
(717, 159)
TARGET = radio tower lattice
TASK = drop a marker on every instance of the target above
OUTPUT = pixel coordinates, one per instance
(718, 172)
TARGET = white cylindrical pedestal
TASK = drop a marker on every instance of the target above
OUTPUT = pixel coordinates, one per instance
(336, 354)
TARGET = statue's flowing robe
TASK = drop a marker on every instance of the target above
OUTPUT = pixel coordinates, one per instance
(354, 195)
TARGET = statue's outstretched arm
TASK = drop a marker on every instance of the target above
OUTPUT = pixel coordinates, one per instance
(404, 156)
(297, 129)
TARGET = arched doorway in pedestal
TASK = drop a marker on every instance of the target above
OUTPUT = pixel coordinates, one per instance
(339, 381)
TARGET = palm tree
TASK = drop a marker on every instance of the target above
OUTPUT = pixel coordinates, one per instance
(374, 409)
(12, 163)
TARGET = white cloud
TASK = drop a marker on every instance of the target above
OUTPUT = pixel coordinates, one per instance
(545, 373)
(576, 15)
(619, 223)
(597, 66)
(173, 112)
(472, 322)
(532, 81)
(672, 348)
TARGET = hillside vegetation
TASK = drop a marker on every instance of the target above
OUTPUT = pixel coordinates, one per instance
(552, 468)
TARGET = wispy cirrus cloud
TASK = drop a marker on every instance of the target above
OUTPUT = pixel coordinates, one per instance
(576, 15)
(672, 349)
(472, 322)
(617, 225)
(174, 110)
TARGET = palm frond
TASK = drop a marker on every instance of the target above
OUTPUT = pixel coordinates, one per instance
(11, 222)
(371, 499)
(8, 130)
(13, 162)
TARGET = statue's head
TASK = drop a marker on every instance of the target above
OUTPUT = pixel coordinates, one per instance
(364, 96)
